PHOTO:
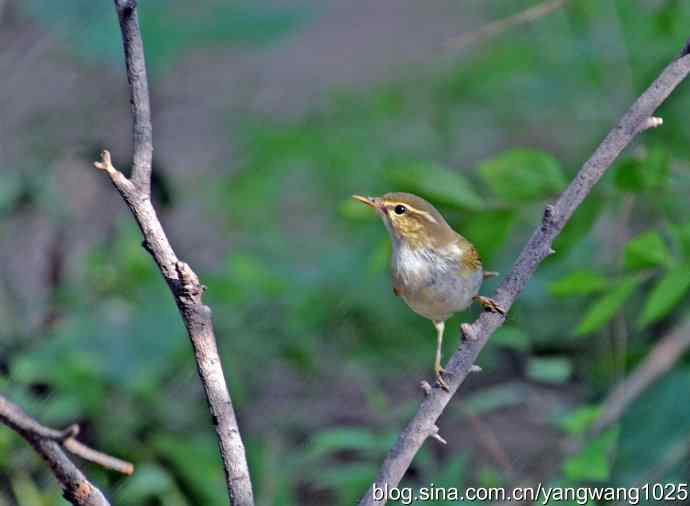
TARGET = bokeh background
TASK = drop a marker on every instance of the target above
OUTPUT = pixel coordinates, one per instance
(267, 116)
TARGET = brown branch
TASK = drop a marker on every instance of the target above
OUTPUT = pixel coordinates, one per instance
(496, 27)
(181, 279)
(50, 444)
(139, 91)
(537, 249)
(13, 416)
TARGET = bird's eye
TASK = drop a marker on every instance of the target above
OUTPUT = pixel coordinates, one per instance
(400, 209)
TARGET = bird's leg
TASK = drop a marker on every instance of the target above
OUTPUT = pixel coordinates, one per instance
(438, 369)
(490, 304)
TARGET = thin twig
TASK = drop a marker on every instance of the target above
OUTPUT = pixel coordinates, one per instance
(660, 359)
(181, 279)
(496, 27)
(100, 458)
(15, 417)
(48, 443)
(537, 249)
(139, 90)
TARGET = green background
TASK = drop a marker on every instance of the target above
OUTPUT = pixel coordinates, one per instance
(267, 117)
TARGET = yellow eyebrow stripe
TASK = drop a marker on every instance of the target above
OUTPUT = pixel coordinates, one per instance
(426, 215)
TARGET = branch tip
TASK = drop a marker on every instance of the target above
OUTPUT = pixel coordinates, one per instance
(126, 4)
(105, 163)
(426, 387)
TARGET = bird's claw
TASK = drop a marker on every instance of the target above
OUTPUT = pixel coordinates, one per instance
(440, 371)
(490, 304)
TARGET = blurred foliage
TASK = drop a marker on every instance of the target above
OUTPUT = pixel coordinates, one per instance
(170, 28)
(314, 343)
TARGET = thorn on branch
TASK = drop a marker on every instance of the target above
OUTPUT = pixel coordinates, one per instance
(468, 331)
(475, 368)
(434, 434)
(424, 385)
(647, 123)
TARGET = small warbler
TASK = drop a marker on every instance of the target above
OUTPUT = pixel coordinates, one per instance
(435, 270)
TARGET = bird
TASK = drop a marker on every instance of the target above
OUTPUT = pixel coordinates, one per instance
(434, 269)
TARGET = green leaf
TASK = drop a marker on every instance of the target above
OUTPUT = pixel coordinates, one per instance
(592, 463)
(629, 175)
(347, 480)
(25, 490)
(646, 250)
(203, 479)
(607, 306)
(436, 183)
(681, 235)
(521, 175)
(511, 337)
(345, 438)
(550, 370)
(150, 481)
(667, 293)
(582, 282)
(488, 230)
(638, 174)
(579, 421)
(493, 398)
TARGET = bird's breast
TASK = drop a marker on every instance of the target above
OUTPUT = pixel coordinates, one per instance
(432, 283)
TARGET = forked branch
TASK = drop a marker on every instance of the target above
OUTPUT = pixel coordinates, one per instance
(637, 119)
(181, 279)
(51, 445)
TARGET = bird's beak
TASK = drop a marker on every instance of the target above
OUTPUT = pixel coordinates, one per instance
(370, 201)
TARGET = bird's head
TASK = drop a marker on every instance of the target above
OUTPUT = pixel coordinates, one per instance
(410, 219)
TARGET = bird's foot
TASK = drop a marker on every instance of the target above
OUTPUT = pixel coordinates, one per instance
(440, 371)
(490, 304)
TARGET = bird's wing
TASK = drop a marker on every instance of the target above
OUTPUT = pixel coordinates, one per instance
(470, 260)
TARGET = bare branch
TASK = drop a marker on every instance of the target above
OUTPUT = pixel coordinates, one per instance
(181, 279)
(537, 249)
(499, 26)
(663, 357)
(139, 93)
(50, 443)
